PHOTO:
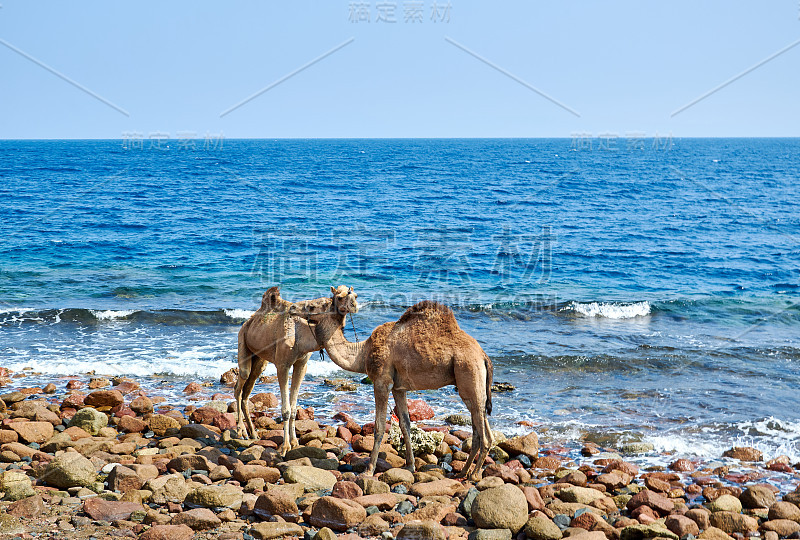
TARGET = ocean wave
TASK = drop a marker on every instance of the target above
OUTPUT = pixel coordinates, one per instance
(238, 313)
(110, 314)
(609, 310)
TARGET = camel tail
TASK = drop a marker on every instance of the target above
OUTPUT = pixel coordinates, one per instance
(489, 378)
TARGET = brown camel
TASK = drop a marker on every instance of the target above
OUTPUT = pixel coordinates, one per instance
(272, 335)
(425, 349)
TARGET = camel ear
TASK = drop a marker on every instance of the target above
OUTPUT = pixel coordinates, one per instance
(333, 290)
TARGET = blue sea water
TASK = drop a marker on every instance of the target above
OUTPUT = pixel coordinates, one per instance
(645, 291)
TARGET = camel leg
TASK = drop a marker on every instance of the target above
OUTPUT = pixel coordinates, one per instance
(405, 425)
(283, 382)
(298, 372)
(245, 360)
(381, 392)
(257, 366)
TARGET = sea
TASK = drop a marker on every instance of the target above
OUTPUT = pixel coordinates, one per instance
(641, 291)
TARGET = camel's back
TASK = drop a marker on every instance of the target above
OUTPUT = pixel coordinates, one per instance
(432, 327)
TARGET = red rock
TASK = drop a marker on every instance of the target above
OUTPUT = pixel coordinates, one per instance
(547, 462)
(346, 490)
(73, 401)
(535, 501)
(33, 432)
(123, 479)
(131, 424)
(125, 386)
(614, 480)
(8, 435)
(74, 384)
(50, 388)
(305, 414)
(263, 401)
(277, 503)
(701, 516)
(657, 485)
(229, 377)
(245, 473)
(652, 499)
(344, 434)
(225, 421)
(104, 398)
(682, 465)
(192, 388)
(205, 415)
(103, 510)
(418, 410)
(508, 476)
(199, 519)
(168, 532)
(142, 405)
(454, 519)
(619, 465)
(122, 410)
(644, 514)
(337, 514)
(76, 433)
(744, 453)
(29, 507)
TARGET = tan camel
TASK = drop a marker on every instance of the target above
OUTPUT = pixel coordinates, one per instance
(425, 349)
(272, 335)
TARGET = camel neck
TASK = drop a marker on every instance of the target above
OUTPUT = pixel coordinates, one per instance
(349, 356)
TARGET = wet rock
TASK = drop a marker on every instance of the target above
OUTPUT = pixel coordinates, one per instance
(102, 510)
(198, 519)
(540, 527)
(418, 410)
(503, 507)
(527, 445)
(757, 497)
(744, 453)
(422, 530)
(50, 388)
(205, 415)
(192, 388)
(311, 478)
(70, 469)
(682, 465)
(104, 398)
(90, 420)
(656, 484)
(216, 496)
(635, 448)
(732, 522)
(142, 405)
(229, 377)
(29, 507)
(336, 514)
(576, 478)
(264, 400)
(168, 532)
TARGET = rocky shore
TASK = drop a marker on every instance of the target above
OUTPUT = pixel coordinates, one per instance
(99, 458)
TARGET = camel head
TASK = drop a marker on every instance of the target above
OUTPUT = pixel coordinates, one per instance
(344, 300)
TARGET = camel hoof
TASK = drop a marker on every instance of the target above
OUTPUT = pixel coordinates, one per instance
(282, 449)
(295, 443)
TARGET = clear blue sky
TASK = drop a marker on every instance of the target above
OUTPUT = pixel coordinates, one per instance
(175, 66)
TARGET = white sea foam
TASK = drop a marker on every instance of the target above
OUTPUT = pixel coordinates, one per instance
(610, 310)
(110, 314)
(238, 313)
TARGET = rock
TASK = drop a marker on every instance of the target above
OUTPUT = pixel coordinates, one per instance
(533, 497)
(29, 507)
(192, 388)
(190, 461)
(682, 525)
(581, 495)
(102, 510)
(421, 530)
(225, 421)
(725, 503)
(614, 480)
(757, 497)
(33, 432)
(445, 487)
(124, 479)
(337, 514)
(732, 522)
(656, 484)
(784, 510)
(654, 500)
(159, 424)
(422, 442)
(418, 410)
(276, 503)
(784, 527)
(634, 448)
(167, 488)
(539, 527)
(682, 465)
(313, 479)
(10, 525)
(131, 424)
(744, 453)
(70, 469)
(16, 485)
(346, 490)
(372, 486)
(396, 476)
(576, 478)
(640, 532)
(701, 516)
(374, 525)
(384, 501)
(264, 400)
(167, 532)
(311, 452)
(217, 496)
(90, 420)
(104, 398)
(229, 377)
(205, 415)
(267, 530)
(712, 533)
(142, 405)
(527, 445)
(245, 473)
(490, 534)
(502, 507)
(198, 519)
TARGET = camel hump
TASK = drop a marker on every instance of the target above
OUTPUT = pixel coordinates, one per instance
(272, 300)
(428, 309)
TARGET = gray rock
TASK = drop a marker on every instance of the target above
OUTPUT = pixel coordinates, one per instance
(90, 420)
(68, 470)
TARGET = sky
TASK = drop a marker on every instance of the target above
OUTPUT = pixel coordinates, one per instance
(457, 68)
